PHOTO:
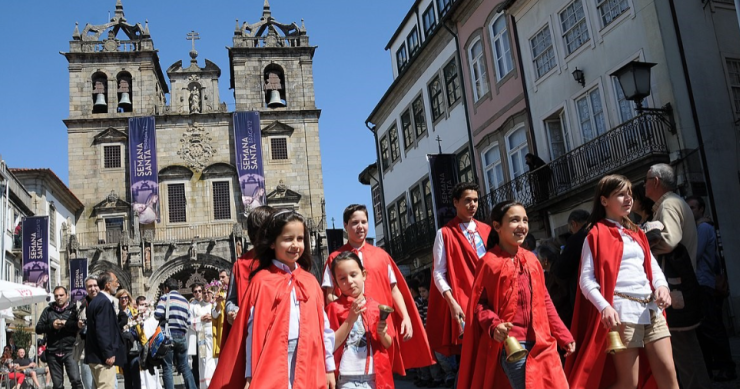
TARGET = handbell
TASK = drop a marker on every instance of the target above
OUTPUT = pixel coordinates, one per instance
(514, 350)
(462, 328)
(615, 344)
(384, 311)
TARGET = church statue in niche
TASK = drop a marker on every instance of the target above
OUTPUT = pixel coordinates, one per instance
(194, 99)
(148, 259)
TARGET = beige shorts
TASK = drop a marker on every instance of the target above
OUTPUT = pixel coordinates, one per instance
(637, 335)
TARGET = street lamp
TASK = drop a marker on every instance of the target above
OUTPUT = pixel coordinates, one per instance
(634, 78)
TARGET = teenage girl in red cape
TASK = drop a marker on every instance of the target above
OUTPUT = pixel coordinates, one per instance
(361, 347)
(509, 298)
(624, 290)
(281, 336)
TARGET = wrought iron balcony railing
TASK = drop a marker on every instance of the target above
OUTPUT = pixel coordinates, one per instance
(414, 238)
(641, 137)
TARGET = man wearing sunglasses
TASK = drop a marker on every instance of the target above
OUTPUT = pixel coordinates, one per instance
(58, 322)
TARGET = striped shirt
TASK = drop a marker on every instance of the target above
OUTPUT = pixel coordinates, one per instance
(421, 306)
(179, 317)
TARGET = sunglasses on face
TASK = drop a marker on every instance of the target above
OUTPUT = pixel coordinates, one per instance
(197, 291)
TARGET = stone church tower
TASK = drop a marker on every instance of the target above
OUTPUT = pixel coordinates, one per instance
(115, 75)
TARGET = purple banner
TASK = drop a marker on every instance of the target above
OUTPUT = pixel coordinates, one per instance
(36, 252)
(77, 275)
(443, 176)
(142, 148)
(248, 143)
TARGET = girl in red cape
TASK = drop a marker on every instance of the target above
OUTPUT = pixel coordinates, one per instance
(281, 337)
(243, 268)
(509, 298)
(624, 290)
(356, 340)
(387, 286)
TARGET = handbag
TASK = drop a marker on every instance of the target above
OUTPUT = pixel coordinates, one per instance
(161, 342)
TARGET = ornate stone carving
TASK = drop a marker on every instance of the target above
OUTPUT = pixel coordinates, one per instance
(237, 230)
(196, 149)
(112, 197)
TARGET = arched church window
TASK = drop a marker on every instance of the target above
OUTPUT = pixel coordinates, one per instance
(125, 93)
(274, 86)
(100, 93)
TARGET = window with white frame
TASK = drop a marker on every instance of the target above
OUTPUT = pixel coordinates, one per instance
(443, 6)
(557, 134)
(385, 152)
(465, 166)
(402, 214)
(452, 82)
(417, 206)
(542, 51)
(413, 41)
(420, 121)
(395, 149)
(517, 149)
(591, 114)
(112, 157)
(377, 206)
(429, 18)
(401, 57)
(573, 23)
(492, 167)
(113, 229)
(501, 47)
(408, 135)
(477, 69)
(279, 149)
(437, 99)
(428, 206)
(221, 200)
(733, 73)
(393, 220)
(611, 9)
(176, 203)
(626, 107)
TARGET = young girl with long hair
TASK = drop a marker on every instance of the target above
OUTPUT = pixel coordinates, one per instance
(624, 290)
(281, 336)
(509, 298)
(362, 338)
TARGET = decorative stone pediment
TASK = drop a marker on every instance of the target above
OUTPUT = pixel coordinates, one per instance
(175, 172)
(283, 195)
(278, 128)
(111, 204)
(110, 135)
(196, 147)
(219, 170)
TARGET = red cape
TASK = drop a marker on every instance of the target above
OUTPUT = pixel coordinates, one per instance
(480, 365)
(242, 269)
(338, 311)
(406, 355)
(462, 261)
(269, 294)
(590, 367)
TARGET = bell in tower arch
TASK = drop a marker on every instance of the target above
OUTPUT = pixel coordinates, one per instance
(274, 90)
(124, 95)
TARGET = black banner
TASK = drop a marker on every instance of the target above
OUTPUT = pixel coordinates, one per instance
(334, 239)
(443, 175)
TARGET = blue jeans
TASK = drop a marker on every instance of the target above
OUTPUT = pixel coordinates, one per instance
(86, 376)
(179, 355)
(356, 382)
(516, 371)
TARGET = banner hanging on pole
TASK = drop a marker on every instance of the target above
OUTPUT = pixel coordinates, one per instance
(36, 252)
(248, 143)
(142, 148)
(444, 176)
(77, 274)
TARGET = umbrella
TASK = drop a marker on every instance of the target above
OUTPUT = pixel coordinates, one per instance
(12, 295)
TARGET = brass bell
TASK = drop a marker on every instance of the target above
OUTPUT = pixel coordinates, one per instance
(384, 311)
(614, 344)
(514, 350)
(275, 101)
(100, 100)
(125, 101)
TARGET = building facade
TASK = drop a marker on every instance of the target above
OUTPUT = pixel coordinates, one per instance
(115, 75)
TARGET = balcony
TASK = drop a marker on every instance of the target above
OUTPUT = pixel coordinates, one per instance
(416, 237)
(641, 139)
(170, 234)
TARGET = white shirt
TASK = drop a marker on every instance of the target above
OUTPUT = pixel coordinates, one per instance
(357, 350)
(328, 281)
(440, 256)
(198, 309)
(293, 328)
(631, 280)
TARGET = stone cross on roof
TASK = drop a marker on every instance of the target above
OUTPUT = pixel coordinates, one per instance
(193, 36)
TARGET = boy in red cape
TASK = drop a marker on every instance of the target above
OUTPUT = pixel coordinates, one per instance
(386, 285)
(243, 268)
(457, 249)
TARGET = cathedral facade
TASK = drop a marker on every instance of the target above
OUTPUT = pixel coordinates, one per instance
(114, 76)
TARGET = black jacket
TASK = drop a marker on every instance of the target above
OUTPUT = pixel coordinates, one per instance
(680, 275)
(567, 269)
(61, 340)
(104, 338)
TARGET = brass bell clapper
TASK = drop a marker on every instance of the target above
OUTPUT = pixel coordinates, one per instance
(614, 343)
(514, 350)
(384, 311)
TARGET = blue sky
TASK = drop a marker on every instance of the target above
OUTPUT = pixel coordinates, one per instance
(351, 71)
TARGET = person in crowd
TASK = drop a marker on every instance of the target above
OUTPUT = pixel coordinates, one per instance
(283, 300)
(173, 313)
(104, 345)
(679, 229)
(59, 323)
(362, 337)
(129, 323)
(24, 365)
(200, 312)
(540, 174)
(149, 377)
(219, 311)
(710, 275)
(509, 299)
(387, 286)
(548, 253)
(41, 358)
(91, 286)
(9, 364)
(567, 266)
(624, 291)
(444, 371)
